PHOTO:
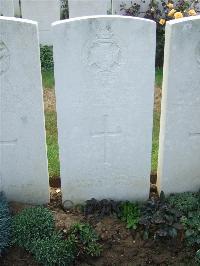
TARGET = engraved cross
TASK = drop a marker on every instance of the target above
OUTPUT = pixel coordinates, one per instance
(105, 134)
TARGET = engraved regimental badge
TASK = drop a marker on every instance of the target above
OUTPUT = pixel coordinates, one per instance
(103, 53)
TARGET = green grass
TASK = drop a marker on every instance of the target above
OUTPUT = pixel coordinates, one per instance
(155, 141)
(156, 125)
(51, 129)
(159, 77)
(52, 144)
(48, 79)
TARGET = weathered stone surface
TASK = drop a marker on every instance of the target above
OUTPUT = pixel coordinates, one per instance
(78, 8)
(6, 8)
(44, 12)
(23, 161)
(179, 154)
(104, 74)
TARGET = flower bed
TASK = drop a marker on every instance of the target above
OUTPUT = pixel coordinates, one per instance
(159, 231)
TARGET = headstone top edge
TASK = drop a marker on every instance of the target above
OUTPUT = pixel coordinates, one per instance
(83, 18)
(183, 20)
(19, 20)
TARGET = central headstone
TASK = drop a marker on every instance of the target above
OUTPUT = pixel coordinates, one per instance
(23, 160)
(104, 75)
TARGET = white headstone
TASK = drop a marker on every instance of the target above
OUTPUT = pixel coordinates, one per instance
(104, 74)
(179, 154)
(78, 8)
(23, 161)
(44, 12)
(6, 8)
(17, 8)
(118, 10)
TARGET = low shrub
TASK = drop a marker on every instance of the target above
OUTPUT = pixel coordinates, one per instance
(189, 204)
(86, 239)
(34, 230)
(185, 202)
(191, 225)
(30, 225)
(46, 58)
(130, 214)
(102, 208)
(159, 219)
(54, 250)
(5, 223)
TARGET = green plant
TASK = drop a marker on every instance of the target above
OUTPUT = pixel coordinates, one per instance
(185, 202)
(191, 224)
(54, 250)
(86, 239)
(159, 219)
(46, 58)
(30, 225)
(130, 213)
(5, 223)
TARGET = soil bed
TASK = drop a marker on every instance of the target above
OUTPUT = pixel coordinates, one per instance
(121, 246)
